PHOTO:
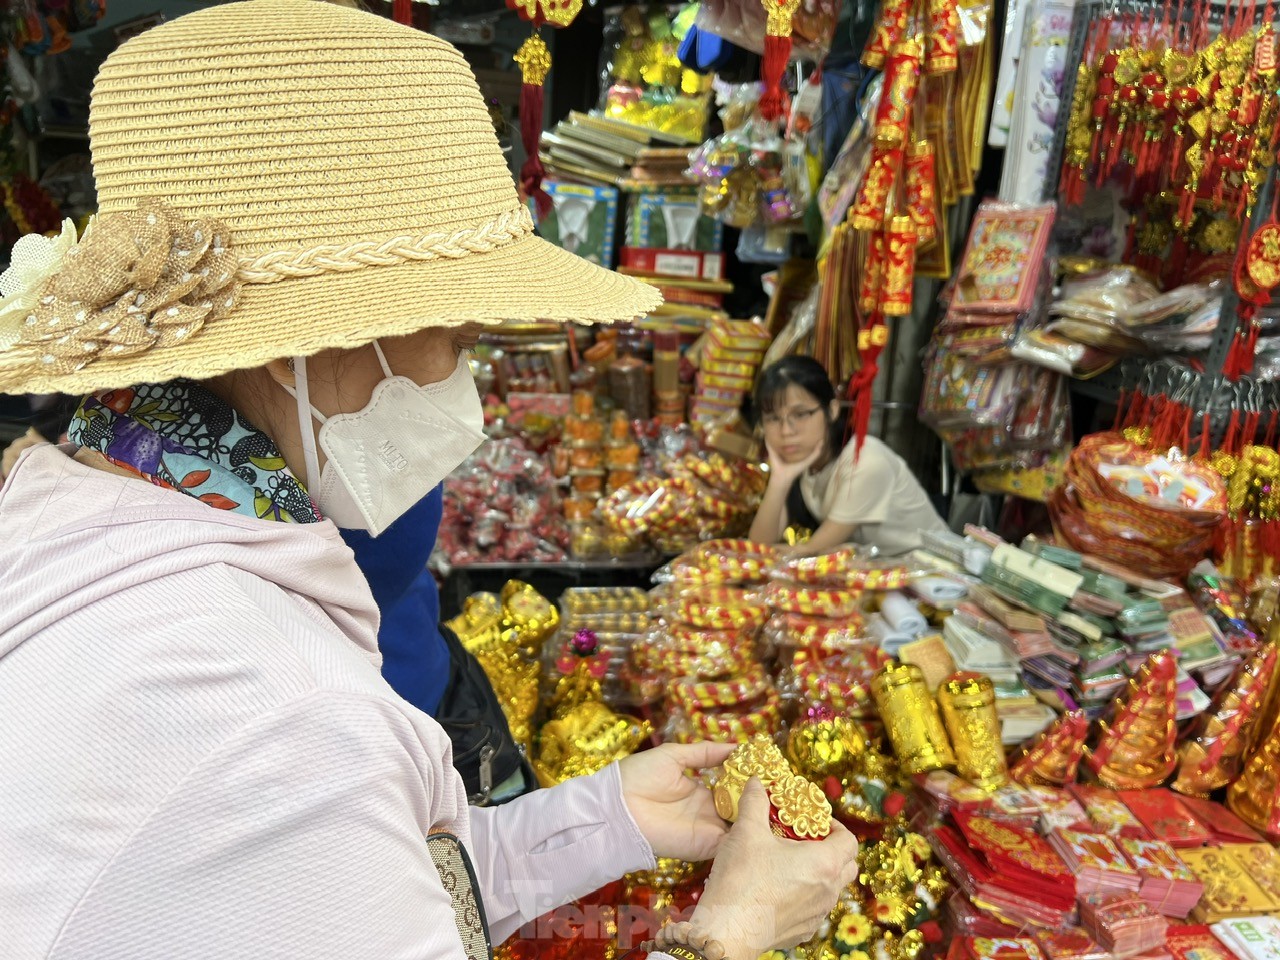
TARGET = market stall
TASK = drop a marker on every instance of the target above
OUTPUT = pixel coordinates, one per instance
(1058, 739)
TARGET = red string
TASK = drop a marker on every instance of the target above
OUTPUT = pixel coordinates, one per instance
(1271, 428)
(1117, 424)
(1250, 433)
(1205, 439)
(1231, 439)
(402, 12)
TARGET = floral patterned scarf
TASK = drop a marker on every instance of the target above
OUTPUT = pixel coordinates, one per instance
(180, 436)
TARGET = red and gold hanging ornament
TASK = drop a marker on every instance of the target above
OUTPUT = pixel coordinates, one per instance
(916, 42)
(777, 52)
(942, 53)
(1257, 274)
(891, 27)
(535, 63)
(1182, 121)
(922, 201)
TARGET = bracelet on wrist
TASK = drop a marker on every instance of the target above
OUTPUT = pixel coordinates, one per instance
(692, 944)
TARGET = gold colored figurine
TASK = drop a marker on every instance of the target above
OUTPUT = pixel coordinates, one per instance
(969, 707)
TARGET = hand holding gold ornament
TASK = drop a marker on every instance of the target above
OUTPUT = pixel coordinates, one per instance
(674, 811)
(766, 892)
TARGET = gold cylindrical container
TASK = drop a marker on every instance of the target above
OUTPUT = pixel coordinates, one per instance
(969, 707)
(910, 716)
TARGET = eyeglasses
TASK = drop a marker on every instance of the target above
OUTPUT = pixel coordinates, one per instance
(793, 420)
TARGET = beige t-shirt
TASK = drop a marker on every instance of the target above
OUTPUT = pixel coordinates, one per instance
(875, 490)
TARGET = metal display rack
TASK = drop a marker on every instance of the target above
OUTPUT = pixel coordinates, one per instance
(1106, 387)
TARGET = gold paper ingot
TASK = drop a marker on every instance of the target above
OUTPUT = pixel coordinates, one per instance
(801, 807)
(480, 623)
(1053, 757)
(911, 719)
(726, 793)
(969, 707)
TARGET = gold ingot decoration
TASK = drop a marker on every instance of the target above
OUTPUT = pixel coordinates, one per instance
(1136, 750)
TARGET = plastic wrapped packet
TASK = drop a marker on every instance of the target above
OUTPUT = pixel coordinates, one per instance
(841, 681)
(713, 608)
(810, 601)
(501, 506)
(585, 601)
(694, 694)
(792, 630)
(852, 569)
(649, 504)
(720, 562)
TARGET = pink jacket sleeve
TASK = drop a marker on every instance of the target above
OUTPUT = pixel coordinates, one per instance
(552, 846)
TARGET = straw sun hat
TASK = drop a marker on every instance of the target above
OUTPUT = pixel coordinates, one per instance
(277, 177)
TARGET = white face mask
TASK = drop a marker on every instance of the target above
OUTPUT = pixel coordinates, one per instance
(385, 458)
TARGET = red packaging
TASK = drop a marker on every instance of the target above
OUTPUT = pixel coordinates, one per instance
(1167, 818)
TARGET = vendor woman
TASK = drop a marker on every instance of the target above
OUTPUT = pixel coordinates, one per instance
(838, 492)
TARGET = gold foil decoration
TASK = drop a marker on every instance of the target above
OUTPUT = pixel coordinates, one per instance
(584, 741)
(1255, 797)
(1053, 758)
(969, 707)
(800, 810)
(1215, 756)
(1136, 750)
(825, 746)
(911, 719)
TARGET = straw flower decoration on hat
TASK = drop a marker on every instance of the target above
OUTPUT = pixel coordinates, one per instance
(275, 178)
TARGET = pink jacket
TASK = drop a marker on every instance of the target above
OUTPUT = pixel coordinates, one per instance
(199, 757)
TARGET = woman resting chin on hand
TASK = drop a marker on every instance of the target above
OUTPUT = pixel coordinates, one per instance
(816, 482)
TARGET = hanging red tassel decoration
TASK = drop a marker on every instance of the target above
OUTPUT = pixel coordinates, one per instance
(777, 53)
(402, 12)
(535, 62)
(1118, 423)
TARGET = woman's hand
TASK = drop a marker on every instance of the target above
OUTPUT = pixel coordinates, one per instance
(767, 893)
(675, 812)
(786, 473)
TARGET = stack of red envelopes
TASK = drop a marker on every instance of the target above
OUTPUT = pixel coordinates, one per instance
(1072, 943)
(1007, 868)
(1096, 861)
(984, 948)
(1164, 814)
(1168, 884)
(1124, 924)
(1107, 811)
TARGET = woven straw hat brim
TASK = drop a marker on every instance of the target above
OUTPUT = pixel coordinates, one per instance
(528, 280)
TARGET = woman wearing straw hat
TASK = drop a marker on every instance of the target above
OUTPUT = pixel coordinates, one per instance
(304, 215)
